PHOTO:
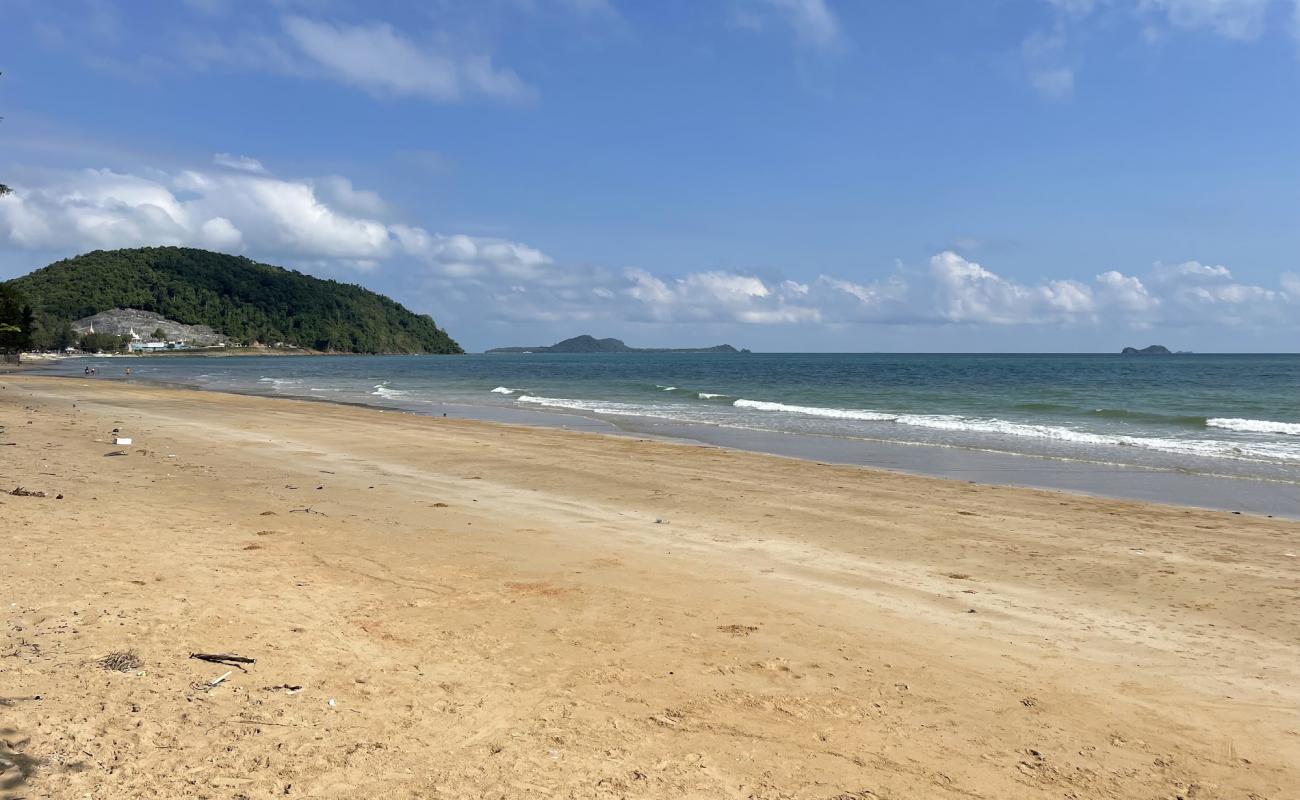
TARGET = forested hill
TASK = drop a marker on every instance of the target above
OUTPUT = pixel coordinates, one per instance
(240, 298)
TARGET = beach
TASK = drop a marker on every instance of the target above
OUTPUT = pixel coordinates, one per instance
(442, 607)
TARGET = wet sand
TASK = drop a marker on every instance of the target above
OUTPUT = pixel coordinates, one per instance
(500, 611)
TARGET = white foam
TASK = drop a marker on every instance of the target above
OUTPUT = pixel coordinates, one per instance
(382, 390)
(1212, 448)
(278, 383)
(600, 406)
(1255, 425)
(815, 411)
(1206, 448)
(503, 390)
(709, 396)
(668, 388)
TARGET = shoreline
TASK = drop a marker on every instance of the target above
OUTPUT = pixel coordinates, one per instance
(475, 609)
(1263, 496)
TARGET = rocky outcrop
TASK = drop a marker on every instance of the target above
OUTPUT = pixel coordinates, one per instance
(125, 321)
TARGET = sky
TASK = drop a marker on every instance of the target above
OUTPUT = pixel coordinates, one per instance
(783, 175)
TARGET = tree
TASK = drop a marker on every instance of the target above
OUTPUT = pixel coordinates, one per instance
(107, 342)
(16, 321)
(64, 337)
(159, 334)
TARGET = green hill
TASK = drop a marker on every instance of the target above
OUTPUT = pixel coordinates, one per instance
(242, 299)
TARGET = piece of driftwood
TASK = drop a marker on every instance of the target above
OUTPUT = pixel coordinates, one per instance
(223, 658)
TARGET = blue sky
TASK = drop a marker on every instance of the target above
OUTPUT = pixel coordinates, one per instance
(779, 174)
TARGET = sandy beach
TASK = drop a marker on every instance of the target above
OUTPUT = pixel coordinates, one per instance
(451, 608)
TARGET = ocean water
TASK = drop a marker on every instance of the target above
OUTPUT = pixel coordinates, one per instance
(1229, 415)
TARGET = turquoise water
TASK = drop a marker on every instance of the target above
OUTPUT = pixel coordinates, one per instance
(1236, 415)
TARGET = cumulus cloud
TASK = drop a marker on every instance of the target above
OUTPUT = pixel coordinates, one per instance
(329, 221)
(339, 191)
(1199, 291)
(1172, 294)
(100, 208)
(966, 292)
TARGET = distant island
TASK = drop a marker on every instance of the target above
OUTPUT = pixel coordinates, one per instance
(1153, 350)
(590, 344)
(149, 298)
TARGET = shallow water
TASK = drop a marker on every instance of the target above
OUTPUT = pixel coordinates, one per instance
(1234, 414)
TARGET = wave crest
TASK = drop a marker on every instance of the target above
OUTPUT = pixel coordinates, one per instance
(816, 411)
(382, 390)
(1254, 425)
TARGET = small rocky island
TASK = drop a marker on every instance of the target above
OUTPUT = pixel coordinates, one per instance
(1153, 350)
(590, 344)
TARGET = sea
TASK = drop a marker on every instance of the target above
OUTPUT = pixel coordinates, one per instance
(960, 415)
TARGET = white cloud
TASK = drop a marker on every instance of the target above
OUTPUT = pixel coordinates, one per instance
(331, 224)
(1055, 83)
(966, 292)
(379, 59)
(813, 24)
(220, 233)
(1044, 55)
(242, 163)
(1200, 292)
(339, 192)
(225, 210)
(1124, 293)
(1047, 53)
(1233, 19)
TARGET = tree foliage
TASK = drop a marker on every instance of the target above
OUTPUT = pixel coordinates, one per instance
(16, 321)
(245, 300)
(103, 342)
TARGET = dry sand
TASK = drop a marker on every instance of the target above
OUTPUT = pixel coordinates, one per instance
(477, 610)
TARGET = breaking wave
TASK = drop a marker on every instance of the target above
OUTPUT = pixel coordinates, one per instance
(980, 427)
(816, 411)
(382, 390)
(948, 422)
(1255, 425)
